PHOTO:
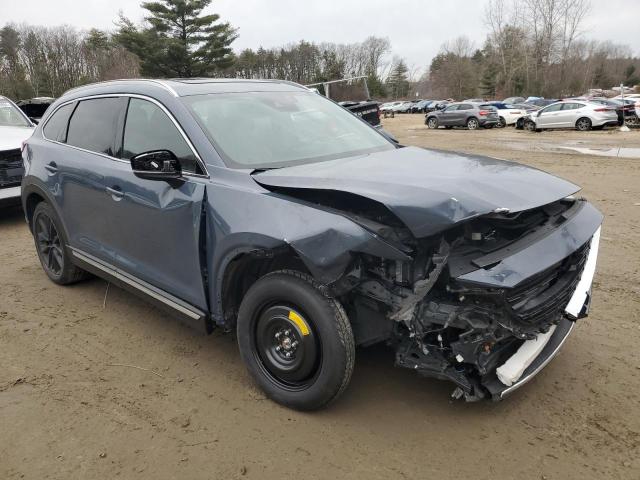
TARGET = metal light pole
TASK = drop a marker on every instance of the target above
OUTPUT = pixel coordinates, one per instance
(624, 127)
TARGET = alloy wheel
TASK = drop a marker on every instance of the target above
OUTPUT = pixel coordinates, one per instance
(49, 245)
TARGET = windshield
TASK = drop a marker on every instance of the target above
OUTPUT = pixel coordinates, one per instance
(276, 129)
(10, 116)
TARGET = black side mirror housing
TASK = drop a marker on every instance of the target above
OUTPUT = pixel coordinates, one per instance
(158, 165)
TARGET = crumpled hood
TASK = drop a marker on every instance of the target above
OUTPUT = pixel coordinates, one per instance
(12, 137)
(428, 190)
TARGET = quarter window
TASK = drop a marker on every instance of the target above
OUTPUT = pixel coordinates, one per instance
(94, 123)
(148, 128)
(56, 126)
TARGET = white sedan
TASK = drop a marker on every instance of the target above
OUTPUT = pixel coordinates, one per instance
(580, 115)
(15, 127)
(509, 114)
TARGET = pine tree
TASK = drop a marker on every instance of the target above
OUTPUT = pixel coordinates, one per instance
(398, 81)
(179, 41)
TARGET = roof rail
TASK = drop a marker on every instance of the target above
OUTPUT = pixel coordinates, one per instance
(151, 80)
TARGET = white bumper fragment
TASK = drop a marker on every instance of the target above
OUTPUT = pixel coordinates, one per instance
(584, 285)
(11, 192)
(511, 371)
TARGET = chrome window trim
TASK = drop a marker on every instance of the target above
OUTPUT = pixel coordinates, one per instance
(129, 95)
(140, 285)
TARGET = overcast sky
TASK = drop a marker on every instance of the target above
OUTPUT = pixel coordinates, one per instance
(416, 28)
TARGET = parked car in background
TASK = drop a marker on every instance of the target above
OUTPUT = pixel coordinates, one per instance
(34, 108)
(15, 128)
(387, 109)
(464, 114)
(527, 109)
(580, 115)
(541, 102)
(419, 107)
(268, 210)
(404, 107)
(513, 100)
(508, 114)
(436, 105)
(474, 100)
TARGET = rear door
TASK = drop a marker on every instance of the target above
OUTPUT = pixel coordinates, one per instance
(78, 170)
(569, 114)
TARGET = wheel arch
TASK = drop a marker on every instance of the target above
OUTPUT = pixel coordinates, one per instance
(241, 269)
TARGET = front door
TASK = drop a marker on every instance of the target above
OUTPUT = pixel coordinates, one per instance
(156, 227)
(549, 117)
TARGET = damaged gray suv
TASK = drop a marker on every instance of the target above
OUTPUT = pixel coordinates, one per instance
(264, 208)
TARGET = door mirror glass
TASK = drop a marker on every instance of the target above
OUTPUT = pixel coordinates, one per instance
(158, 165)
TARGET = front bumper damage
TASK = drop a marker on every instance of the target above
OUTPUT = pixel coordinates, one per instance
(491, 329)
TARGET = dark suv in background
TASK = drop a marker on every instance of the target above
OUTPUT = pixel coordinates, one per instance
(464, 114)
(263, 207)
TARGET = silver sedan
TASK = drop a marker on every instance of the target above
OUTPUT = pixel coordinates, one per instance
(572, 114)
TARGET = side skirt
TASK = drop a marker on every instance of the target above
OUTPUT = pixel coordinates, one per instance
(186, 313)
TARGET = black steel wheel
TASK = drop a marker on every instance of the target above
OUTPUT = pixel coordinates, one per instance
(286, 347)
(51, 246)
(296, 341)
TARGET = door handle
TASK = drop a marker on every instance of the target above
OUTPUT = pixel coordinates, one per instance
(116, 193)
(51, 167)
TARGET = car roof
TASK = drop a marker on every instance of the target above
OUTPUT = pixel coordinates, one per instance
(182, 87)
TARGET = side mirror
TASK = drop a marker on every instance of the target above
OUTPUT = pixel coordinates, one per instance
(158, 165)
(539, 113)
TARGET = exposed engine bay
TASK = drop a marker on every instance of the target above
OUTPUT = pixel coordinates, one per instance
(445, 326)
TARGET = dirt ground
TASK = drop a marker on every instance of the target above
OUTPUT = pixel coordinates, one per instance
(73, 405)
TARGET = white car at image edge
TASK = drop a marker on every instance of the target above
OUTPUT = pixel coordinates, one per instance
(15, 128)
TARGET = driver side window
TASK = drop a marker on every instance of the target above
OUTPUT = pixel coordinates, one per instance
(451, 108)
(552, 108)
(148, 128)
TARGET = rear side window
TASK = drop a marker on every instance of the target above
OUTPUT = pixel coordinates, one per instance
(94, 123)
(148, 128)
(571, 106)
(56, 126)
(465, 106)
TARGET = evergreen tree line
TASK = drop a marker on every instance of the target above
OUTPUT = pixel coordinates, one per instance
(532, 48)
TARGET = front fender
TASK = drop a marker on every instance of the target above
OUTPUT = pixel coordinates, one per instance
(241, 221)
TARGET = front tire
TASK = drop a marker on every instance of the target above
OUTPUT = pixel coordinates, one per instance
(432, 122)
(530, 126)
(52, 246)
(295, 341)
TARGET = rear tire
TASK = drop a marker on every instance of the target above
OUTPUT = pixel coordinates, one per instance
(295, 341)
(52, 247)
(472, 123)
(432, 122)
(583, 124)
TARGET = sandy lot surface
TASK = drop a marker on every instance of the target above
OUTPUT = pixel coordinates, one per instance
(70, 409)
